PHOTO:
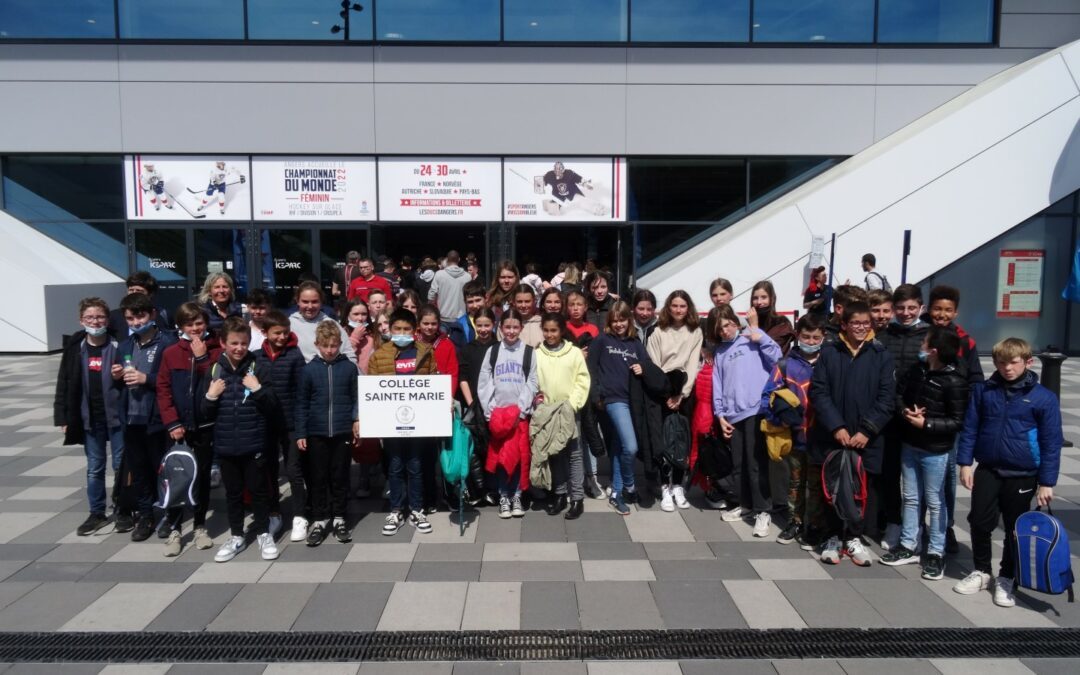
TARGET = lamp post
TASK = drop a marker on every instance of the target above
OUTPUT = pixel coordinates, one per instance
(346, 7)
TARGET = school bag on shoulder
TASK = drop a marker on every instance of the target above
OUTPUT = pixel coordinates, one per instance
(1043, 562)
(526, 360)
(176, 478)
(675, 450)
(885, 285)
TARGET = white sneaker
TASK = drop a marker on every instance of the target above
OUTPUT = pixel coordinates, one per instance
(393, 523)
(230, 549)
(892, 537)
(173, 545)
(733, 515)
(667, 503)
(859, 554)
(830, 555)
(274, 526)
(679, 493)
(267, 546)
(1003, 592)
(973, 583)
(299, 529)
(761, 524)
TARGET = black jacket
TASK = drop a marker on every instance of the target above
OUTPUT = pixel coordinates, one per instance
(285, 377)
(903, 342)
(944, 394)
(857, 393)
(470, 362)
(327, 399)
(598, 311)
(647, 396)
(242, 421)
(68, 401)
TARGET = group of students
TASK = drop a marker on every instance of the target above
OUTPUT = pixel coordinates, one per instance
(550, 376)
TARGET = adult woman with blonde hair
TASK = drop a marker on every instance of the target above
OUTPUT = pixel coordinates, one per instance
(218, 298)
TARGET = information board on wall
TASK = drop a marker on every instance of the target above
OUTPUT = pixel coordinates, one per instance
(163, 187)
(566, 189)
(314, 188)
(437, 189)
(405, 406)
(1020, 274)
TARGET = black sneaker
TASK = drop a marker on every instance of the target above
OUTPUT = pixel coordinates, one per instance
(341, 533)
(317, 533)
(808, 539)
(144, 527)
(164, 527)
(951, 546)
(95, 522)
(556, 504)
(631, 496)
(934, 568)
(715, 499)
(577, 507)
(123, 522)
(899, 556)
(789, 533)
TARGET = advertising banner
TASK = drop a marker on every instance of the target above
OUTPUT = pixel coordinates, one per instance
(405, 406)
(439, 189)
(566, 189)
(163, 187)
(314, 188)
(1020, 275)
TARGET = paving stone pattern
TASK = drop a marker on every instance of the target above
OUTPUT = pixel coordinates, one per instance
(649, 570)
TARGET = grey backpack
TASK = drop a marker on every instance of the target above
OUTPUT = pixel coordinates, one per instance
(176, 478)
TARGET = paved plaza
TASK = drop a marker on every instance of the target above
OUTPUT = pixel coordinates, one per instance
(651, 570)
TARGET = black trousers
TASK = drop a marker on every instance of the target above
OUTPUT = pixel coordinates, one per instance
(749, 478)
(142, 457)
(240, 472)
(429, 461)
(328, 469)
(201, 444)
(296, 468)
(995, 499)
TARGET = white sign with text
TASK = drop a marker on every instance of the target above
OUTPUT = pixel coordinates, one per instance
(405, 406)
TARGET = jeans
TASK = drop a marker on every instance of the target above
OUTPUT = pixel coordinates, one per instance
(623, 446)
(96, 455)
(950, 486)
(924, 481)
(588, 462)
(508, 484)
(405, 473)
(567, 474)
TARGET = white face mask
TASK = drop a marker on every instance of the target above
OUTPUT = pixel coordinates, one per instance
(95, 331)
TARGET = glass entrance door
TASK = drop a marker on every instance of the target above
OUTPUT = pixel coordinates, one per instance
(164, 253)
(224, 250)
(608, 246)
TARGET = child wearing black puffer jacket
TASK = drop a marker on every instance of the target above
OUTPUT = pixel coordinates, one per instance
(933, 403)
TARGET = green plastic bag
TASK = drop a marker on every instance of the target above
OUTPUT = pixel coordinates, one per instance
(454, 459)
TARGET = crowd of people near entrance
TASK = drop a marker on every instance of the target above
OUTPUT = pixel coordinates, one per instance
(849, 428)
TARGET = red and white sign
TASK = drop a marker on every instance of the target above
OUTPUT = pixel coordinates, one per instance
(314, 188)
(437, 189)
(565, 189)
(169, 187)
(1020, 273)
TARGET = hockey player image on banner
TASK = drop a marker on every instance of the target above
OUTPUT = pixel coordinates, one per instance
(571, 189)
(181, 185)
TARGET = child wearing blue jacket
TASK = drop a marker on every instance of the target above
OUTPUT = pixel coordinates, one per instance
(1012, 429)
(326, 423)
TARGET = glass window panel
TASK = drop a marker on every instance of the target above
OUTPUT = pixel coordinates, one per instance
(64, 188)
(656, 241)
(936, 21)
(306, 20)
(222, 251)
(561, 21)
(163, 253)
(58, 19)
(769, 174)
(334, 245)
(435, 20)
(182, 19)
(101, 242)
(813, 20)
(690, 21)
(286, 256)
(686, 189)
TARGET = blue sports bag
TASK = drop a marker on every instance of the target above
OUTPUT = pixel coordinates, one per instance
(1042, 554)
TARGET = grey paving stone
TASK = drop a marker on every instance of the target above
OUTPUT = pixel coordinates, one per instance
(372, 572)
(539, 526)
(53, 572)
(495, 530)
(430, 606)
(50, 605)
(847, 570)
(141, 572)
(816, 603)
(52, 530)
(368, 530)
(756, 549)
(449, 552)
(412, 668)
(264, 607)
(726, 568)
(10, 591)
(89, 553)
(696, 604)
(1052, 666)
(10, 567)
(677, 550)
(908, 604)
(554, 668)
(807, 667)
(486, 668)
(24, 551)
(617, 604)
(549, 605)
(531, 571)
(727, 667)
(611, 550)
(706, 525)
(217, 668)
(889, 667)
(344, 606)
(445, 571)
(51, 668)
(195, 608)
(598, 527)
(329, 551)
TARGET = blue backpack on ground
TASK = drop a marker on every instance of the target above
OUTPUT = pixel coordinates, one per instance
(176, 478)
(1043, 562)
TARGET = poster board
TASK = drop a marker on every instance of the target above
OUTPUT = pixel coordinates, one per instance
(439, 189)
(565, 189)
(1020, 276)
(171, 187)
(302, 189)
(405, 406)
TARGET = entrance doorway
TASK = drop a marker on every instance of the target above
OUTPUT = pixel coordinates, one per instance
(609, 246)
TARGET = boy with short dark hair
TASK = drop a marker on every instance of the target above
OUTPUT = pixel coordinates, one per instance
(1012, 428)
(134, 373)
(842, 297)
(326, 422)
(280, 353)
(475, 294)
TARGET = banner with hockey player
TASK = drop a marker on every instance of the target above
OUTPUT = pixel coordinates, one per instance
(163, 187)
(439, 189)
(565, 188)
(314, 188)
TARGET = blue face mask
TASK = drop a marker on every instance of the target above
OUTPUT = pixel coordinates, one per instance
(401, 340)
(809, 349)
(185, 336)
(141, 330)
(95, 331)
(923, 356)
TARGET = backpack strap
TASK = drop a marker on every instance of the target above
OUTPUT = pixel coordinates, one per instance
(494, 355)
(526, 361)
(782, 365)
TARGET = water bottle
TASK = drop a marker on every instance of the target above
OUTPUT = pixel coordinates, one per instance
(129, 366)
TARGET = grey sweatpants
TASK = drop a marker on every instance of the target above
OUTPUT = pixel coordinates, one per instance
(568, 471)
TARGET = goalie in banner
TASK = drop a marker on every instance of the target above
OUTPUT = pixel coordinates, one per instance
(568, 191)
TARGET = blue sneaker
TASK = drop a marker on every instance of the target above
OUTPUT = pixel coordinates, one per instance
(618, 503)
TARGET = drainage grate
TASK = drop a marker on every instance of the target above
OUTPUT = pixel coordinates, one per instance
(622, 645)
